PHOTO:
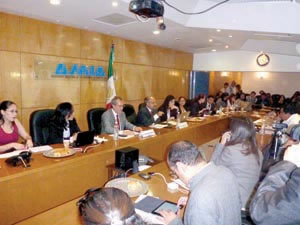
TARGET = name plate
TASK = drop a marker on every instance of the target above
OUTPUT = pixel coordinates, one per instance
(182, 125)
(147, 133)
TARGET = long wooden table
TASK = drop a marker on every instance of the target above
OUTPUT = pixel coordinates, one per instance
(48, 183)
(68, 212)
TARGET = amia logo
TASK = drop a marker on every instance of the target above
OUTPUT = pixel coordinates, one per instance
(79, 70)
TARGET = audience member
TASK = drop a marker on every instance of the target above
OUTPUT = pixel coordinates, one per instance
(182, 104)
(210, 105)
(289, 114)
(115, 115)
(277, 199)
(214, 197)
(222, 101)
(225, 88)
(148, 115)
(231, 90)
(252, 98)
(103, 206)
(231, 101)
(11, 128)
(199, 105)
(238, 151)
(169, 109)
(63, 125)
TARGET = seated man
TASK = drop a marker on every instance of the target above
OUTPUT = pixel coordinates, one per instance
(214, 194)
(289, 114)
(210, 105)
(277, 200)
(148, 114)
(116, 114)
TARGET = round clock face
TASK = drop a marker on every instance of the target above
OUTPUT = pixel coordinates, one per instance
(263, 59)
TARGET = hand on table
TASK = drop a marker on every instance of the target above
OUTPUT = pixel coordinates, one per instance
(182, 201)
(138, 129)
(160, 113)
(167, 216)
(29, 143)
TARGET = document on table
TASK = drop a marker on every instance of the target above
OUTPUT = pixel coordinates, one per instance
(10, 154)
(43, 148)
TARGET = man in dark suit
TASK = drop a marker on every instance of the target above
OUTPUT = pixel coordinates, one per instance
(115, 115)
(210, 104)
(148, 114)
(277, 200)
(214, 196)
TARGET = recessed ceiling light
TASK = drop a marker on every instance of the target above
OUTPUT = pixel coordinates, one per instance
(156, 32)
(55, 2)
(226, 46)
(218, 30)
(115, 4)
(230, 36)
(210, 40)
(213, 50)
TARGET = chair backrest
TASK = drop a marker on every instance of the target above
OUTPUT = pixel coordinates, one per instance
(130, 113)
(94, 119)
(39, 121)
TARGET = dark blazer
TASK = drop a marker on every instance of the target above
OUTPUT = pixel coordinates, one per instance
(144, 118)
(277, 200)
(164, 117)
(56, 132)
(196, 107)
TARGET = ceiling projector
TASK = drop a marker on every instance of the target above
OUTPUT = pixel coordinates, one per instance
(147, 8)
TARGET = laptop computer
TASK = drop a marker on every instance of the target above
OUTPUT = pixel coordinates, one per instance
(184, 116)
(84, 138)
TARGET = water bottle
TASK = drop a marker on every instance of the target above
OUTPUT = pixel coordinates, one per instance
(116, 131)
(178, 120)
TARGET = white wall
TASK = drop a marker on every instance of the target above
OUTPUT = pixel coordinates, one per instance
(281, 76)
(274, 82)
(244, 61)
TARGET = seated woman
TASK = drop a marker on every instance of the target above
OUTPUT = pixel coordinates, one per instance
(182, 104)
(108, 206)
(238, 151)
(231, 102)
(63, 125)
(222, 101)
(199, 105)
(169, 109)
(11, 128)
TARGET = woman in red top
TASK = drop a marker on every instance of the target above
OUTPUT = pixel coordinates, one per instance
(11, 128)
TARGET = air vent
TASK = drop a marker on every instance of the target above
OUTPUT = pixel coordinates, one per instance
(115, 19)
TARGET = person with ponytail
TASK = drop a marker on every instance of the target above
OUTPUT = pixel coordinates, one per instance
(63, 125)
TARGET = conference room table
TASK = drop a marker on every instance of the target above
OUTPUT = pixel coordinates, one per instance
(50, 183)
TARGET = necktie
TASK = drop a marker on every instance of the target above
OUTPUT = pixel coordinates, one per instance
(118, 121)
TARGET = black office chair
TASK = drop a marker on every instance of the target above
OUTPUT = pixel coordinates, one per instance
(94, 119)
(130, 113)
(39, 121)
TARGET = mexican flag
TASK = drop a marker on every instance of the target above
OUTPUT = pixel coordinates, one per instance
(111, 91)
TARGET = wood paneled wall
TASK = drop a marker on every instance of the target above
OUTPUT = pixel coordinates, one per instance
(141, 69)
(217, 80)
